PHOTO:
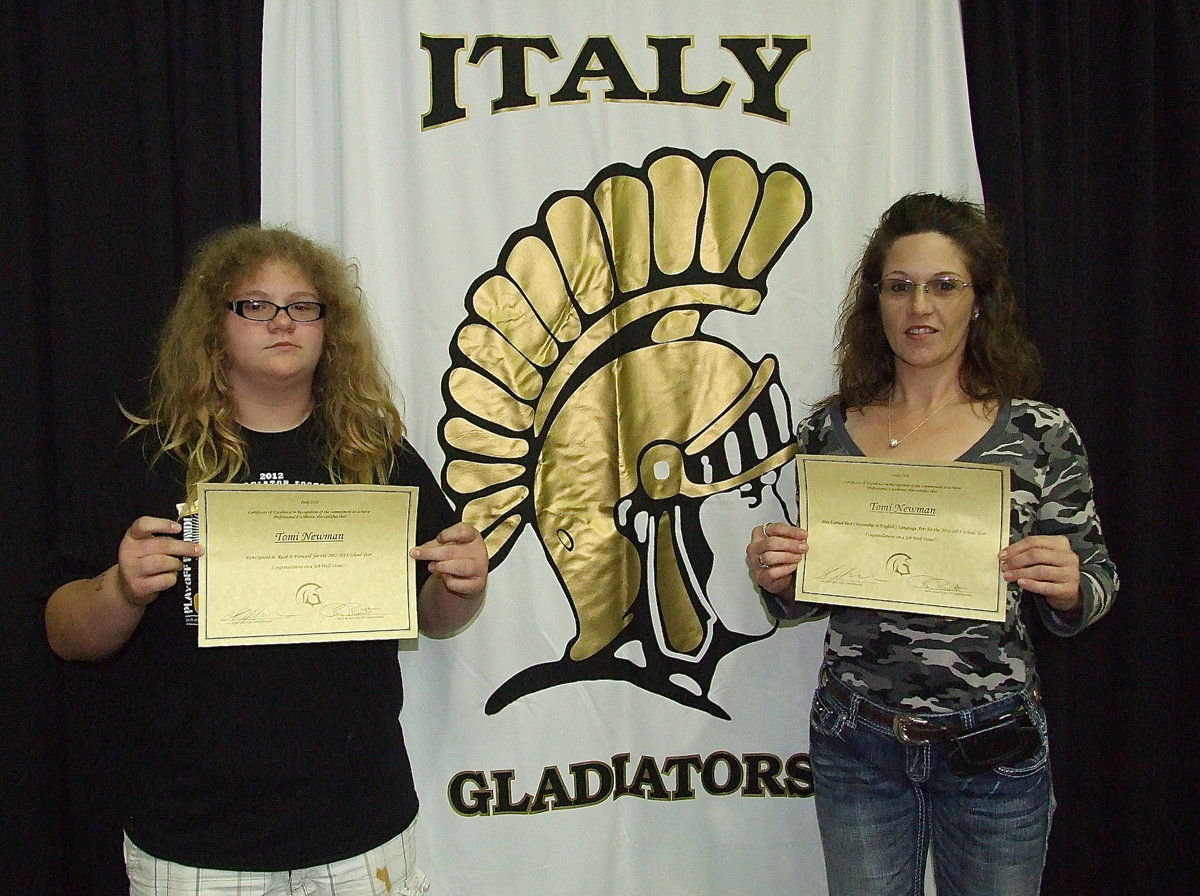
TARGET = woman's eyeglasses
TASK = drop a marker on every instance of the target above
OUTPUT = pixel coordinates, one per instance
(936, 287)
(262, 310)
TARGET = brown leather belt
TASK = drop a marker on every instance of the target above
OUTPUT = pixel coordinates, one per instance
(910, 729)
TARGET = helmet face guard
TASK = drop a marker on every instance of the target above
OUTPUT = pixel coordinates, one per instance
(618, 511)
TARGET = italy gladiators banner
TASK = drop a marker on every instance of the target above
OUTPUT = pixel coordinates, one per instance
(605, 243)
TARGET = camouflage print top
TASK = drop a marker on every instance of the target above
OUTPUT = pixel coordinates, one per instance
(937, 664)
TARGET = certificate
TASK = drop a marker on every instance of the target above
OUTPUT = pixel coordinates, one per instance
(305, 563)
(913, 537)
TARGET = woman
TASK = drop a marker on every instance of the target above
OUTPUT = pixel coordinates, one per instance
(928, 732)
(256, 767)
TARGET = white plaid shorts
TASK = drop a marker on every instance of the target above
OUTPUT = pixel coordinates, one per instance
(387, 870)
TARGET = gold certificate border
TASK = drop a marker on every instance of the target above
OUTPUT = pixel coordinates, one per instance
(997, 495)
(389, 569)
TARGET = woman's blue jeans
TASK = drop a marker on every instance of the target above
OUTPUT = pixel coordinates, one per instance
(882, 805)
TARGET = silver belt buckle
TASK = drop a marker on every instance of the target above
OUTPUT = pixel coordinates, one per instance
(901, 724)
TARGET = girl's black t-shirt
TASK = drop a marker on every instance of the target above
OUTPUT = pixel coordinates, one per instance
(256, 758)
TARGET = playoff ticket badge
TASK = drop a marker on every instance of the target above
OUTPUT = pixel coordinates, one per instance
(293, 564)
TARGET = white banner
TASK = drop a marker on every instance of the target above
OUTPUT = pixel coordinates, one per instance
(605, 243)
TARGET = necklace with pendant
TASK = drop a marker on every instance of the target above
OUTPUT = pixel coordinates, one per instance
(892, 443)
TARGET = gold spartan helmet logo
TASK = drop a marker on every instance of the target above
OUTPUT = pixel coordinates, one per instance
(584, 399)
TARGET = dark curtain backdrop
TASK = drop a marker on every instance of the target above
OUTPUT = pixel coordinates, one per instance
(1087, 129)
(127, 131)
(130, 130)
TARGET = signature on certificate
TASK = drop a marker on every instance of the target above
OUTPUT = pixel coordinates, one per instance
(252, 615)
(847, 575)
(900, 564)
(934, 585)
(350, 611)
(309, 594)
(898, 568)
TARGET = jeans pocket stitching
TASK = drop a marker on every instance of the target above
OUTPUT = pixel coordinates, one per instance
(1032, 765)
(826, 717)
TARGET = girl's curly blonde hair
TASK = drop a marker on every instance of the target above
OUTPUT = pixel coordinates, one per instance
(191, 411)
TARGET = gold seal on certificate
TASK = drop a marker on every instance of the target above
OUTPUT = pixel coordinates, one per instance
(306, 563)
(913, 537)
